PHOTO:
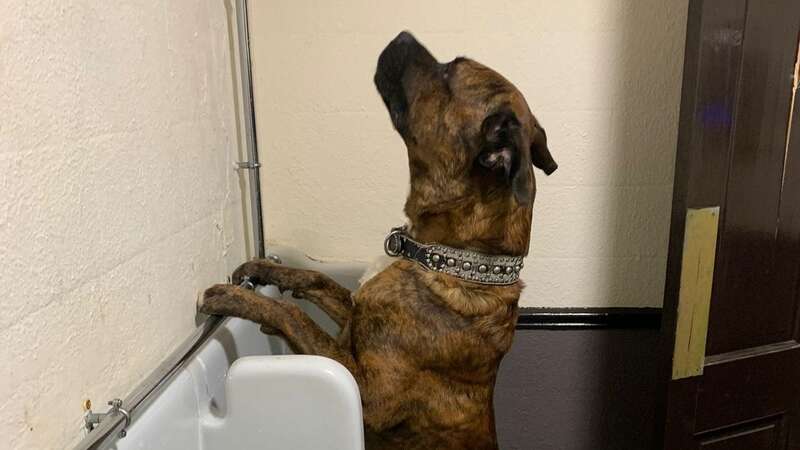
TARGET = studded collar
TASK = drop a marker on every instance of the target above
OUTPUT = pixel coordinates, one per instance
(467, 265)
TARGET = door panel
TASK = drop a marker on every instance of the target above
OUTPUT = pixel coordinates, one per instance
(760, 388)
(718, 69)
(752, 304)
(740, 150)
(759, 437)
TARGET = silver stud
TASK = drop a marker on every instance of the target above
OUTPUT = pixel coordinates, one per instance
(467, 265)
(482, 268)
(509, 269)
(517, 268)
(497, 270)
(451, 262)
(436, 258)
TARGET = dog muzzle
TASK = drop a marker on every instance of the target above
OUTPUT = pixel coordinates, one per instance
(468, 265)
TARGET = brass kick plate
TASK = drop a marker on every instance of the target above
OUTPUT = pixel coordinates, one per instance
(694, 301)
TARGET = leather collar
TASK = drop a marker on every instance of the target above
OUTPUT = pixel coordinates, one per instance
(467, 265)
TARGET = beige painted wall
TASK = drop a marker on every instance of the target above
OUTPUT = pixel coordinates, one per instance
(602, 75)
(117, 202)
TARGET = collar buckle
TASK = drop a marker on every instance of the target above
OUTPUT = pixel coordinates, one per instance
(393, 244)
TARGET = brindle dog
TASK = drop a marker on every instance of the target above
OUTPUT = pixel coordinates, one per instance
(424, 346)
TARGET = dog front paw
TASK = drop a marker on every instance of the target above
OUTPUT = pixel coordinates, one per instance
(235, 301)
(257, 272)
(218, 300)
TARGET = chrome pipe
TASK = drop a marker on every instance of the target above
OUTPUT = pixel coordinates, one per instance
(252, 165)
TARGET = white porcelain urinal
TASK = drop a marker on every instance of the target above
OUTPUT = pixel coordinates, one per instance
(242, 391)
(288, 402)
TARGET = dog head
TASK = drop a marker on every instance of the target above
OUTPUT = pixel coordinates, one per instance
(470, 135)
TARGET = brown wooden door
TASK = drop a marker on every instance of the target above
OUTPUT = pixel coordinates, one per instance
(739, 149)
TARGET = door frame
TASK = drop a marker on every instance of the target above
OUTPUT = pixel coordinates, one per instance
(677, 228)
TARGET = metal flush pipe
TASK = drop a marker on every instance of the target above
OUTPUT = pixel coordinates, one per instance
(252, 165)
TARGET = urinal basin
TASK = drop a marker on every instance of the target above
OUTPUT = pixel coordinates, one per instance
(242, 390)
(295, 402)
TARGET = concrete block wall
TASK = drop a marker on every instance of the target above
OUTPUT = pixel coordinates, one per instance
(117, 202)
(603, 76)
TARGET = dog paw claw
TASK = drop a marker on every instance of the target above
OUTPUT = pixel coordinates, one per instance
(266, 329)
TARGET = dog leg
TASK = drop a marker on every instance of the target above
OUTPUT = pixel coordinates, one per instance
(309, 285)
(303, 335)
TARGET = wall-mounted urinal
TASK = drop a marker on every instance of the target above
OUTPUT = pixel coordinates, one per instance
(287, 402)
(244, 390)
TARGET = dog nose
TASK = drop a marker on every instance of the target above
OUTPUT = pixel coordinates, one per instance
(404, 37)
(405, 43)
(403, 51)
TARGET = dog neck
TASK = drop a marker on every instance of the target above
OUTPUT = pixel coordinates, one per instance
(496, 226)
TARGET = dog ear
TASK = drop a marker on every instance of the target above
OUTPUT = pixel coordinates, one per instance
(504, 150)
(540, 154)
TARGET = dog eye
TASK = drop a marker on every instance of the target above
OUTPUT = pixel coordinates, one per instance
(446, 70)
(450, 66)
(500, 127)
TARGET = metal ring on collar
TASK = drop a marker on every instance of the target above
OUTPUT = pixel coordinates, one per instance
(393, 244)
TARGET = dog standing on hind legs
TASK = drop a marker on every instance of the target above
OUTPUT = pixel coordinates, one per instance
(424, 337)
